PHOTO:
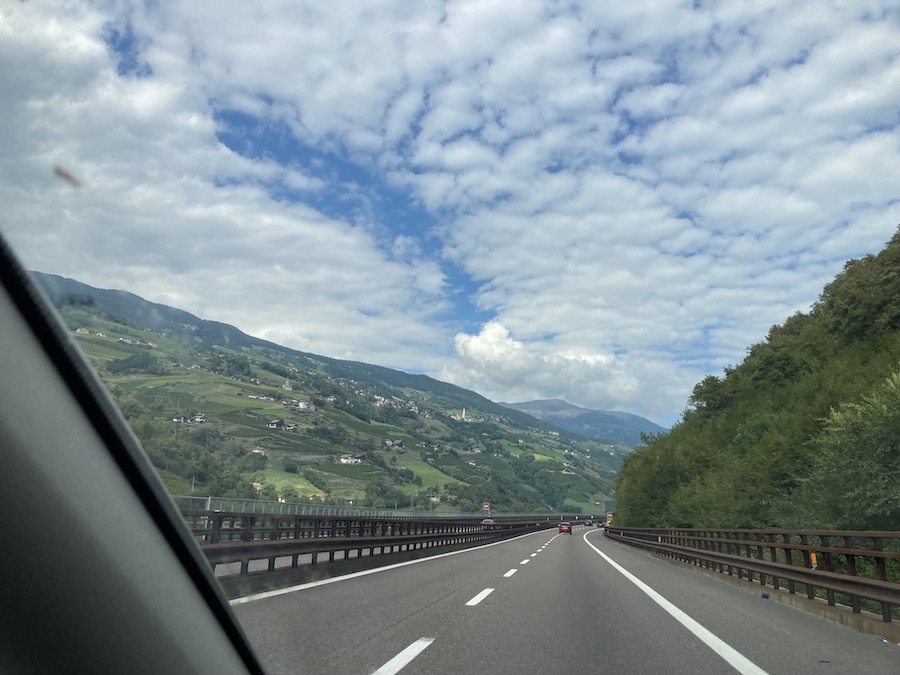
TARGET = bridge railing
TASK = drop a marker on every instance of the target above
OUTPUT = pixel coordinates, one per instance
(238, 505)
(854, 568)
(356, 539)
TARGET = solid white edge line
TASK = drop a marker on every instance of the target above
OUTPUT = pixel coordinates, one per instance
(396, 664)
(510, 573)
(478, 598)
(731, 655)
(362, 573)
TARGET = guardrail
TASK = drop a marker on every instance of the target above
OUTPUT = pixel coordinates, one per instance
(850, 568)
(238, 505)
(366, 540)
(242, 537)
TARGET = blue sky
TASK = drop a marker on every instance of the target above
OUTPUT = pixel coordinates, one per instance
(590, 201)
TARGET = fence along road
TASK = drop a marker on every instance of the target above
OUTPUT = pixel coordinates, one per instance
(857, 570)
(860, 570)
(290, 548)
(563, 609)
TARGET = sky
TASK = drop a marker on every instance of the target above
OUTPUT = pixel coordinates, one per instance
(595, 201)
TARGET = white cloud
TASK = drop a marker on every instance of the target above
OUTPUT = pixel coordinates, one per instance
(508, 364)
(636, 192)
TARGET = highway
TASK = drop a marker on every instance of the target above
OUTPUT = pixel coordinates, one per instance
(547, 603)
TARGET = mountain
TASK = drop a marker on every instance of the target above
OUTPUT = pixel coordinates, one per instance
(130, 309)
(618, 427)
(223, 413)
(134, 310)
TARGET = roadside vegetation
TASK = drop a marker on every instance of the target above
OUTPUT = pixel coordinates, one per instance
(804, 433)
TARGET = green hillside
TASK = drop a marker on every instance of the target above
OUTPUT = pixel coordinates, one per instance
(804, 433)
(246, 418)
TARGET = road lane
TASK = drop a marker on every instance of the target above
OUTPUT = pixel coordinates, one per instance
(776, 637)
(564, 609)
(355, 626)
(565, 613)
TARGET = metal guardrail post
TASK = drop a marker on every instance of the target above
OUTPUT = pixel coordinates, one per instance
(216, 535)
(807, 562)
(248, 523)
(851, 569)
(881, 570)
(773, 554)
(825, 541)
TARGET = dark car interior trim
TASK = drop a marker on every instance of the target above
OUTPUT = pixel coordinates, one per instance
(58, 415)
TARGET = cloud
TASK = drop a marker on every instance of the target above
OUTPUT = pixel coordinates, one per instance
(595, 202)
(168, 212)
(508, 363)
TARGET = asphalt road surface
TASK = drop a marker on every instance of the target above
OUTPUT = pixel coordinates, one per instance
(547, 603)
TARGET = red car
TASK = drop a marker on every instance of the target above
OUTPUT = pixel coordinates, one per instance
(565, 528)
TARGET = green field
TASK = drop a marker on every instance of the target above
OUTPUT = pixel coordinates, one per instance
(243, 432)
(237, 423)
(355, 471)
(281, 480)
(431, 476)
(498, 466)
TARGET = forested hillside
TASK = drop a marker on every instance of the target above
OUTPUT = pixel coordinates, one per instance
(805, 432)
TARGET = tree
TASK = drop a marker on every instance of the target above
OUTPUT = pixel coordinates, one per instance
(711, 395)
(140, 362)
(268, 493)
(253, 461)
(290, 495)
(854, 481)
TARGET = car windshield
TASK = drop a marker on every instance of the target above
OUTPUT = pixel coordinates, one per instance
(384, 263)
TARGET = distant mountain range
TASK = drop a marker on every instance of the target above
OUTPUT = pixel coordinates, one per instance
(125, 307)
(605, 425)
(228, 414)
(616, 427)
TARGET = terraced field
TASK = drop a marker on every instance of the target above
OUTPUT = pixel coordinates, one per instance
(227, 397)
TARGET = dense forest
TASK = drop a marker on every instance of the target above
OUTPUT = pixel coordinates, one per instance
(804, 433)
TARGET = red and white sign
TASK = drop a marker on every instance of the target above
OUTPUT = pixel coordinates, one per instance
(486, 507)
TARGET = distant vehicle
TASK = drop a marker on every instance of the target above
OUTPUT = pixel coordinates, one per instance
(565, 528)
(589, 522)
(487, 524)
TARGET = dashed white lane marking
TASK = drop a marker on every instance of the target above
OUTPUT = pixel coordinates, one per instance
(734, 658)
(524, 562)
(478, 598)
(363, 573)
(533, 554)
(396, 664)
(510, 573)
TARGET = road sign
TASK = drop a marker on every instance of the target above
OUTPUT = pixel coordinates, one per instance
(486, 507)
